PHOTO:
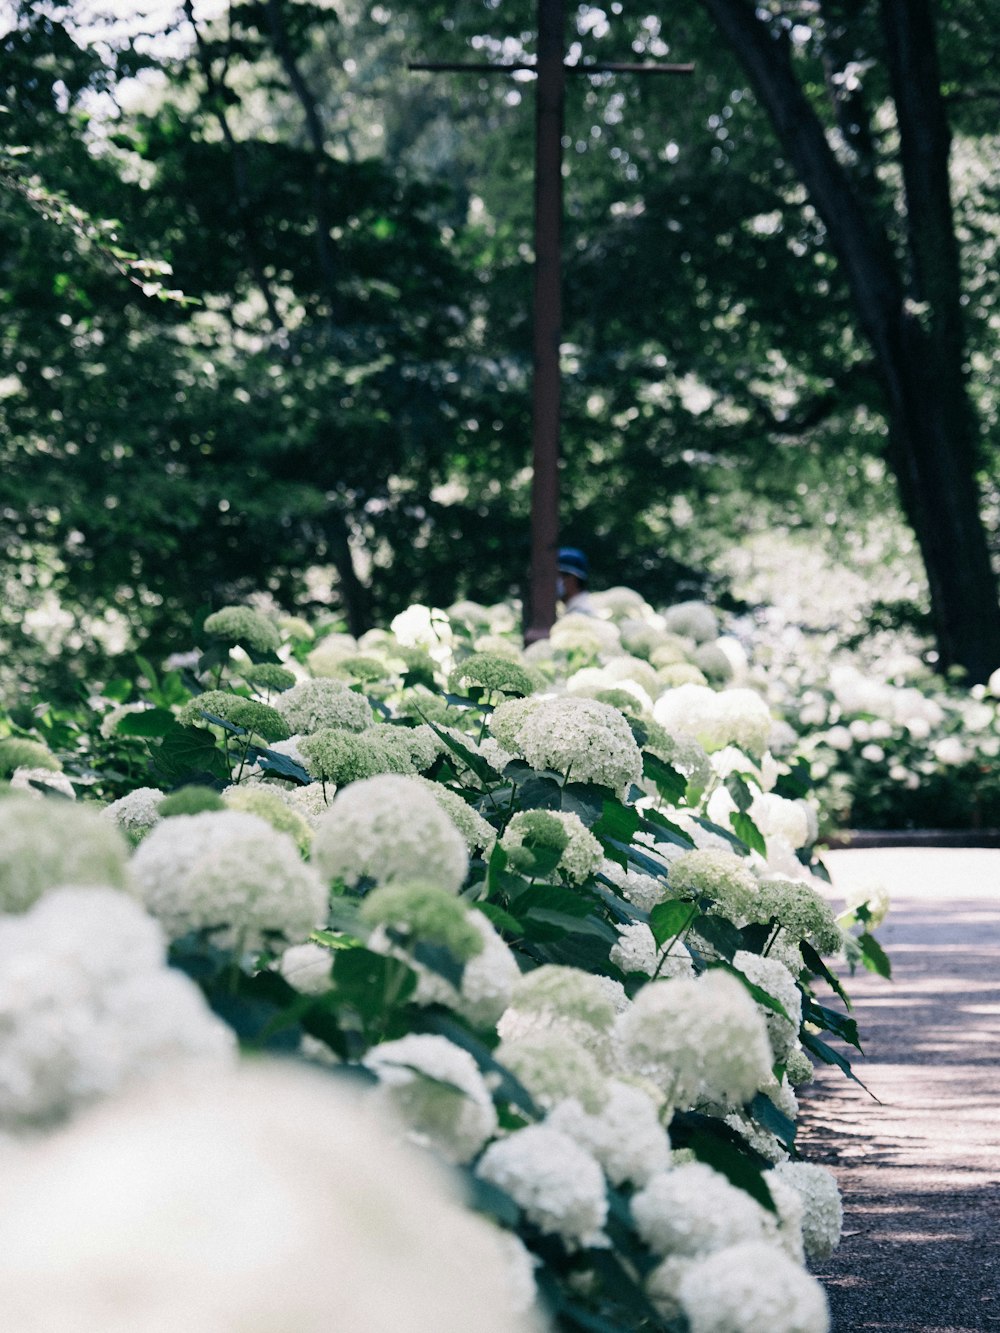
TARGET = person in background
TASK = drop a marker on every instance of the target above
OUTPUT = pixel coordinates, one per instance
(571, 584)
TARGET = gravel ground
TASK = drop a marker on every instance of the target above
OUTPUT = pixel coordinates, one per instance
(919, 1168)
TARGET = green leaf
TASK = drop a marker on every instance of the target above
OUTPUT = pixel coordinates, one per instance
(485, 772)
(670, 784)
(617, 821)
(831, 1057)
(371, 983)
(747, 830)
(586, 800)
(874, 956)
(759, 994)
(271, 761)
(737, 788)
(185, 751)
(150, 722)
(830, 1021)
(739, 1169)
(815, 964)
(552, 897)
(667, 920)
(721, 934)
(501, 919)
(484, 1197)
(573, 925)
(664, 830)
(764, 1112)
(539, 793)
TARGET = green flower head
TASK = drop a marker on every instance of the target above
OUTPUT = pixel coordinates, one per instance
(190, 801)
(270, 805)
(268, 676)
(427, 915)
(19, 752)
(259, 719)
(492, 672)
(241, 624)
(341, 757)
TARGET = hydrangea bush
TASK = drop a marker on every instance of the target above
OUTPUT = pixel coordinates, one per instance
(557, 911)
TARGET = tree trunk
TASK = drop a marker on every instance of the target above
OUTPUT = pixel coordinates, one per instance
(913, 323)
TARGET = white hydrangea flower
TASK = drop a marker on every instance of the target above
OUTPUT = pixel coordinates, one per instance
(636, 951)
(307, 968)
(489, 977)
(325, 658)
(584, 634)
(720, 875)
(437, 1090)
(553, 1065)
(697, 1040)
(752, 1288)
(589, 740)
(136, 812)
(389, 828)
(558, 1184)
(226, 1202)
(88, 1005)
(314, 704)
(874, 897)
(716, 718)
(479, 836)
(663, 1285)
(581, 856)
(28, 779)
(625, 1136)
(311, 801)
(692, 620)
(231, 874)
(643, 891)
(44, 844)
(521, 1264)
(774, 977)
(823, 1212)
(692, 1210)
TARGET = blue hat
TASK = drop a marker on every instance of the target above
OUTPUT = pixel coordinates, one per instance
(573, 561)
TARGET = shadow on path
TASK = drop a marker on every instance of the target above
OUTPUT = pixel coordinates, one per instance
(920, 1168)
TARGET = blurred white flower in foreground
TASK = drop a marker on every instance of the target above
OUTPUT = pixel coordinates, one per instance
(266, 1200)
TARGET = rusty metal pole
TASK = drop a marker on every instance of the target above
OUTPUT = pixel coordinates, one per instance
(549, 95)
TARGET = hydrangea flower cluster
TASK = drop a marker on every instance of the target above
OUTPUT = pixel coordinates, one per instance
(243, 625)
(388, 829)
(22, 752)
(752, 1286)
(699, 1040)
(718, 875)
(43, 846)
(273, 806)
(716, 719)
(584, 738)
(823, 1212)
(625, 1135)
(562, 831)
(231, 875)
(438, 1091)
(88, 1005)
(253, 716)
(558, 1184)
(313, 705)
(425, 914)
(225, 1198)
(493, 673)
(136, 812)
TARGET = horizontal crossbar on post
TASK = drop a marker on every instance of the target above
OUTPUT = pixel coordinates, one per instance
(511, 67)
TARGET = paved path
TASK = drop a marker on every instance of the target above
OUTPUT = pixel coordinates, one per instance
(919, 1169)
